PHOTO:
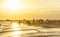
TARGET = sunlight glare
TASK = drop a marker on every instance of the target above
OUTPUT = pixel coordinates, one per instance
(22, 25)
(15, 26)
(17, 33)
(12, 4)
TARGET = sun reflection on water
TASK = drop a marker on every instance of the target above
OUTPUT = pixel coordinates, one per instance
(16, 29)
(22, 25)
(15, 26)
(17, 34)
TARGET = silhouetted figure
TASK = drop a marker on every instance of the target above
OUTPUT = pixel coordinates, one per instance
(24, 20)
(19, 22)
(28, 22)
(48, 21)
(0, 24)
(41, 20)
(33, 21)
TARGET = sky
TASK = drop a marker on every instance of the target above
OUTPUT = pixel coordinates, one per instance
(29, 9)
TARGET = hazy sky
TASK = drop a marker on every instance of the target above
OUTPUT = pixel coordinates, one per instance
(29, 9)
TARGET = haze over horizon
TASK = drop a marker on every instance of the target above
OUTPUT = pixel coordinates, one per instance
(29, 9)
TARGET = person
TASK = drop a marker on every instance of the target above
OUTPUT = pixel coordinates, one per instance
(0, 24)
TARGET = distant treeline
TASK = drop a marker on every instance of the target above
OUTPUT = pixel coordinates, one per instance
(38, 22)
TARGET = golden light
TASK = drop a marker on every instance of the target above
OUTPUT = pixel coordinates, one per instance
(12, 4)
(15, 26)
(22, 25)
(12, 7)
(16, 33)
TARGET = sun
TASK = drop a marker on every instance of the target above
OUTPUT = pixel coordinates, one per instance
(12, 4)
(11, 7)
